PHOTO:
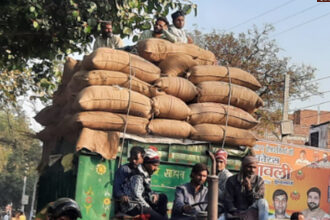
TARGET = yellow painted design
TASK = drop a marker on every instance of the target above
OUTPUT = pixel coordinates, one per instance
(101, 169)
(106, 201)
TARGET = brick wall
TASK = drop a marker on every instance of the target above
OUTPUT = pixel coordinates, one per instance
(309, 117)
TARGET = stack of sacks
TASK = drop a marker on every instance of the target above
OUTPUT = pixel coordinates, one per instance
(108, 92)
(170, 108)
(216, 84)
(174, 58)
(172, 92)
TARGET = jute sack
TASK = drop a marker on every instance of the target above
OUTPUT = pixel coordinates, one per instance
(61, 95)
(118, 60)
(216, 113)
(83, 79)
(176, 65)
(170, 107)
(68, 70)
(237, 76)
(48, 115)
(178, 87)
(50, 132)
(215, 133)
(157, 50)
(170, 128)
(106, 121)
(113, 99)
(244, 98)
(104, 143)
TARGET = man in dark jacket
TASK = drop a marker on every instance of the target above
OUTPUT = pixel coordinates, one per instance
(125, 172)
(141, 199)
(245, 191)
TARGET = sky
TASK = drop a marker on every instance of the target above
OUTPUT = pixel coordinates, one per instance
(301, 30)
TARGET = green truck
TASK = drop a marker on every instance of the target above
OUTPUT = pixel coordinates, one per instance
(88, 178)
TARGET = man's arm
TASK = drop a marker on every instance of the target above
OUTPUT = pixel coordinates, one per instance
(121, 174)
(169, 36)
(178, 201)
(138, 189)
(119, 42)
(230, 196)
(257, 192)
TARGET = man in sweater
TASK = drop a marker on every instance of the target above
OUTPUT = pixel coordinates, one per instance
(223, 174)
(176, 29)
(245, 192)
(191, 193)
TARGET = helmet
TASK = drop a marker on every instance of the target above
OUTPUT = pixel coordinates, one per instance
(64, 207)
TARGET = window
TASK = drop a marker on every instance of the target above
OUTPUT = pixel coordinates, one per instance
(314, 139)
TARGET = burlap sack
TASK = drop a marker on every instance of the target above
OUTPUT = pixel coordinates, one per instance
(215, 133)
(104, 143)
(49, 115)
(170, 107)
(62, 95)
(106, 121)
(113, 99)
(157, 50)
(83, 79)
(177, 65)
(50, 132)
(68, 70)
(178, 87)
(244, 98)
(237, 76)
(216, 113)
(118, 60)
(170, 128)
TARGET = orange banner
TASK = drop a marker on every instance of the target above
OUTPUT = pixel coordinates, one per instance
(294, 170)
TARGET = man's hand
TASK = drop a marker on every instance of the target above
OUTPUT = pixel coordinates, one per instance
(190, 40)
(187, 208)
(247, 183)
(154, 198)
(124, 199)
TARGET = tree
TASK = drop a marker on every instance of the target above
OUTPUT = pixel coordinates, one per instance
(256, 53)
(34, 33)
(21, 157)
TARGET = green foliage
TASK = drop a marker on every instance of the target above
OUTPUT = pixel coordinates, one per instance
(34, 33)
(21, 156)
(256, 53)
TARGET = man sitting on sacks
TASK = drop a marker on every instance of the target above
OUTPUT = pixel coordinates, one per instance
(191, 193)
(107, 39)
(176, 29)
(125, 171)
(160, 31)
(142, 200)
(223, 174)
(245, 192)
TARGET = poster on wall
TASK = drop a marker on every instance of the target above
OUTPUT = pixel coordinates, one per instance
(297, 178)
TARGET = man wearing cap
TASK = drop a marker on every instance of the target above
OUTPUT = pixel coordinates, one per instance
(107, 39)
(176, 29)
(160, 31)
(125, 171)
(191, 193)
(142, 200)
(223, 174)
(244, 193)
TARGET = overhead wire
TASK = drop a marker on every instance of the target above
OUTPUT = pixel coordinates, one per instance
(320, 93)
(262, 14)
(298, 13)
(301, 24)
